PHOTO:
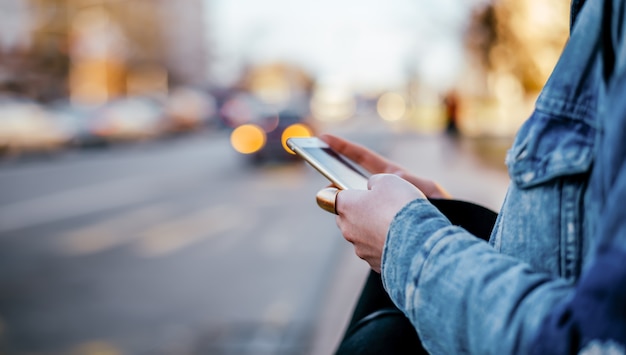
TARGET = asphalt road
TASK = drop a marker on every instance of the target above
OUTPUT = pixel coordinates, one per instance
(181, 247)
(162, 248)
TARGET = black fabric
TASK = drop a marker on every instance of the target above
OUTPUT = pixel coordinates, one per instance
(377, 326)
(476, 219)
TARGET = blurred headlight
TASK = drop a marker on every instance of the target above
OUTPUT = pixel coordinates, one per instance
(295, 130)
(391, 106)
(247, 138)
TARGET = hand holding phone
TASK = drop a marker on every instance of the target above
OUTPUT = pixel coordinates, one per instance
(335, 167)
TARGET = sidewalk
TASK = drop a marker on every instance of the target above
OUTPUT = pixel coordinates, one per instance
(471, 170)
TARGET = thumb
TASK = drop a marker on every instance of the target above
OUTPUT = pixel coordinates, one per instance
(379, 179)
(327, 199)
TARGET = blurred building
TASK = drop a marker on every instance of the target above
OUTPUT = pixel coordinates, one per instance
(96, 50)
(277, 84)
(512, 47)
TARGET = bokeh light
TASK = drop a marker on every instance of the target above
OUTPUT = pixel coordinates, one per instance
(247, 139)
(391, 106)
(295, 130)
(332, 103)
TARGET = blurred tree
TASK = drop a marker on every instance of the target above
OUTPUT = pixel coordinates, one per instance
(109, 44)
(38, 66)
(511, 46)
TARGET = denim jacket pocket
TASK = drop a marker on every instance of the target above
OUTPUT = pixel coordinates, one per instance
(552, 146)
(542, 219)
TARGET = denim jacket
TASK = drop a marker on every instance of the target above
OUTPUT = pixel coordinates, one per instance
(564, 212)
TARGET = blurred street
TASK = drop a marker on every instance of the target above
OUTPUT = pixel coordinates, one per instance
(147, 203)
(183, 247)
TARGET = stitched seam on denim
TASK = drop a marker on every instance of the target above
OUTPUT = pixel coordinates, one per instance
(572, 198)
(543, 175)
(420, 264)
(581, 110)
(409, 208)
(436, 243)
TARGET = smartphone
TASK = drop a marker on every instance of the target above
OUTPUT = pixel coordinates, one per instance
(342, 172)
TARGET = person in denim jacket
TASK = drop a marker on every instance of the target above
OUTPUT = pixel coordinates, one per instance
(552, 278)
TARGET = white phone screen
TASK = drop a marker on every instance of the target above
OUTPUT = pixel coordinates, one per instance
(337, 168)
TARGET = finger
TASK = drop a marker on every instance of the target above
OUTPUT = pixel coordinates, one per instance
(373, 180)
(337, 211)
(376, 179)
(428, 187)
(371, 161)
(343, 198)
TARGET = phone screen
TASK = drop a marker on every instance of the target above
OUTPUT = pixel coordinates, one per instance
(334, 166)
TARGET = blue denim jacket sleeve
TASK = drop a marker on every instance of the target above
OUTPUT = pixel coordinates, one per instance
(461, 295)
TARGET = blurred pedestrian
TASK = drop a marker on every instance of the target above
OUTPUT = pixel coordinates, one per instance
(451, 102)
(552, 278)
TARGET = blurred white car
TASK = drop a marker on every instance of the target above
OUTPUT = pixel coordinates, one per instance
(129, 119)
(26, 126)
(188, 109)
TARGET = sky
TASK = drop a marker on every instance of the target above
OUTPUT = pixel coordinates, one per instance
(364, 43)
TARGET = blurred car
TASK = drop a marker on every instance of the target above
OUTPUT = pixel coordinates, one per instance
(265, 139)
(78, 123)
(129, 119)
(242, 108)
(188, 110)
(26, 127)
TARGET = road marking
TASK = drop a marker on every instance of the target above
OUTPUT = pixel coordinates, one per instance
(75, 202)
(278, 313)
(161, 238)
(96, 347)
(112, 232)
(173, 235)
(89, 199)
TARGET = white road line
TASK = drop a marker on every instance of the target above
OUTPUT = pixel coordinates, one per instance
(112, 232)
(165, 235)
(173, 235)
(76, 202)
(279, 312)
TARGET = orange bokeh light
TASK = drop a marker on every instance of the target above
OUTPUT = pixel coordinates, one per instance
(247, 139)
(295, 130)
